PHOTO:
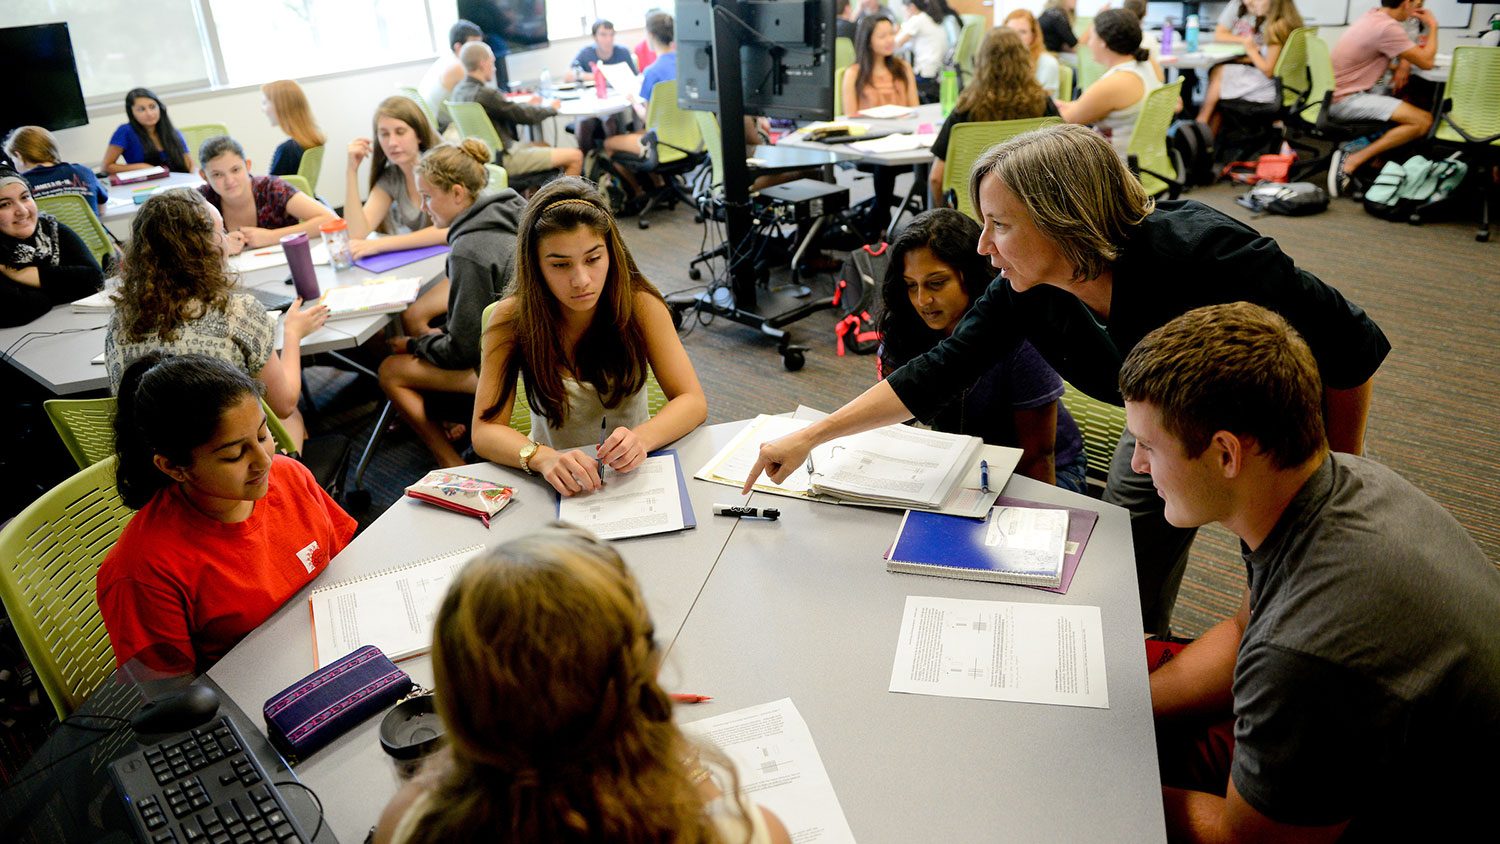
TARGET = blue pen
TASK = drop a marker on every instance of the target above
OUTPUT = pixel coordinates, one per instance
(984, 476)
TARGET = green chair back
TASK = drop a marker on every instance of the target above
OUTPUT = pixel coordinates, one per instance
(969, 40)
(299, 183)
(196, 134)
(676, 129)
(1101, 425)
(981, 20)
(499, 179)
(1320, 77)
(309, 168)
(838, 88)
(1291, 66)
(49, 559)
(279, 434)
(86, 426)
(473, 122)
(843, 56)
(1089, 70)
(1148, 140)
(1064, 83)
(427, 108)
(713, 143)
(968, 141)
(76, 213)
(1474, 87)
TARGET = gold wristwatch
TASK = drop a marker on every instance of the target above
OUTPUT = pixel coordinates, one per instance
(528, 451)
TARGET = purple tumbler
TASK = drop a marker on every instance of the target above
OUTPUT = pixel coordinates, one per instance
(299, 258)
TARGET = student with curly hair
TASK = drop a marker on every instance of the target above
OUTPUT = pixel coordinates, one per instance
(147, 138)
(583, 327)
(227, 531)
(177, 294)
(1004, 88)
(544, 659)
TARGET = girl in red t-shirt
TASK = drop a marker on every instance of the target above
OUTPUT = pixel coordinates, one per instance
(227, 530)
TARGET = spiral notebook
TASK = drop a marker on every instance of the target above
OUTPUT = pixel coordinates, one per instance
(392, 609)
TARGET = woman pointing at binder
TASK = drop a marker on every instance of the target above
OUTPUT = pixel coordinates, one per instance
(1088, 266)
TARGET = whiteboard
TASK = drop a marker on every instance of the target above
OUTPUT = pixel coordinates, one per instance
(1449, 13)
(1326, 12)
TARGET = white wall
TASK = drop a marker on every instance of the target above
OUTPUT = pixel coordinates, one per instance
(344, 105)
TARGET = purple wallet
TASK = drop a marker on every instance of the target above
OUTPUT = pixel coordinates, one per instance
(327, 703)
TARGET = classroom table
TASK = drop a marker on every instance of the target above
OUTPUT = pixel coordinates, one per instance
(120, 209)
(753, 611)
(1208, 55)
(57, 349)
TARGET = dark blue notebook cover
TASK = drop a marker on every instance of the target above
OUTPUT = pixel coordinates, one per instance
(953, 546)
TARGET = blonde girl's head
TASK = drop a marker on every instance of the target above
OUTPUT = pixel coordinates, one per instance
(32, 144)
(1282, 18)
(447, 166)
(293, 114)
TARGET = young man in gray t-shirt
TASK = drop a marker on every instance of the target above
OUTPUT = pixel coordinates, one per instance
(1356, 693)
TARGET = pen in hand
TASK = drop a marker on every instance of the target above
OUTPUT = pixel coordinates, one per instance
(603, 432)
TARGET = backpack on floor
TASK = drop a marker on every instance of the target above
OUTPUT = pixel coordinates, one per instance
(1195, 143)
(1401, 188)
(855, 294)
(1296, 199)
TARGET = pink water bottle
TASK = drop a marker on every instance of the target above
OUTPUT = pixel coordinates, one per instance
(299, 258)
(599, 82)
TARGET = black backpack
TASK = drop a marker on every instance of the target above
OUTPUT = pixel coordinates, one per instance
(855, 294)
(1194, 142)
(1294, 199)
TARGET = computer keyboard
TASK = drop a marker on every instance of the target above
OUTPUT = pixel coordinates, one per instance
(203, 786)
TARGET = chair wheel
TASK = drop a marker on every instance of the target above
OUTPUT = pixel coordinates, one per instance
(793, 359)
(1482, 237)
(645, 224)
(694, 273)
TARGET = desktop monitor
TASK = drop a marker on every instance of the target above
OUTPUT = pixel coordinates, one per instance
(1157, 14)
(786, 56)
(46, 92)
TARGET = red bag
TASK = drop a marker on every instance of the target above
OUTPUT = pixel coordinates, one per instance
(1275, 167)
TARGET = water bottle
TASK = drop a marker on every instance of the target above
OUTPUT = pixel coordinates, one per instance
(1492, 38)
(336, 241)
(1190, 34)
(299, 258)
(544, 85)
(1167, 32)
(948, 91)
(599, 82)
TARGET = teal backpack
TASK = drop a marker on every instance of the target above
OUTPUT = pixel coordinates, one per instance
(1400, 189)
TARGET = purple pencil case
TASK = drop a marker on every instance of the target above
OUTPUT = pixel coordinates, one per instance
(307, 715)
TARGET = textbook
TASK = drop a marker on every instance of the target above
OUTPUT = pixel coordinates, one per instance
(372, 296)
(1026, 543)
(392, 609)
(130, 177)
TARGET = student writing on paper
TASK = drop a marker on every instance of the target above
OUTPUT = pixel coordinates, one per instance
(286, 106)
(1354, 694)
(878, 77)
(584, 329)
(177, 294)
(482, 234)
(227, 530)
(1044, 65)
(1004, 88)
(545, 659)
(147, 139)
(933, 276)
(36, 155)
(1114, 101)
(257, 210)
(42, 262)
(393, 208)
(1088, 266)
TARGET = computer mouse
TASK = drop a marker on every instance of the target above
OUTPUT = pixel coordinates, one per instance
(184, 710)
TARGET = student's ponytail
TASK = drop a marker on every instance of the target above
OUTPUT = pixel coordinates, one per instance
(1141, 55)
(169, 405)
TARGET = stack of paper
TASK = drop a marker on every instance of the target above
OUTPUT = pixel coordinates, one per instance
(621, 78)
(272, 256)
(374, 296)
(652, 499)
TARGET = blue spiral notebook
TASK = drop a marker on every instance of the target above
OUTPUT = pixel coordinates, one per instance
(941, 545)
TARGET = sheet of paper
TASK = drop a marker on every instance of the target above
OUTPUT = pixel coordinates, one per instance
(621, 78)
(888, 112)
(272, 256)
(637, 503)
(1028, 539)
(780, 768)
(899, 142)
(997, 650)
(735, 461)
(373, 295)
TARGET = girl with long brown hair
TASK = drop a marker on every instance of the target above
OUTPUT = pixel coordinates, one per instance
(878, 77)
(1263, 26)
(177, 294)
(1004, 88)
(583, 327)
(544, 660)
(393, 208)
(1043, 63)
(286, 106)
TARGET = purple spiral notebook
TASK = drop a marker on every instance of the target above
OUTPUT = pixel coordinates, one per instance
(391, 260)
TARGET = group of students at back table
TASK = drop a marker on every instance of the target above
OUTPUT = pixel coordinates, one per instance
(1232, 418)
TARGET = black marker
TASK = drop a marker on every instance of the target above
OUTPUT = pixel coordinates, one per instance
(769, 514)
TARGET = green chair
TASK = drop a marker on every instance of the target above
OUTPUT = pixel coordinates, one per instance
(673, 147)
(499, 179)
(76, 213)
(473, 122)
(416, 96)
(1101, 425)
(1469, 118)
(1089, 70)
(967, 142)
(309, 168)
(1159, 167)
(981, 20)
(49, 558)
(299, 183)
(196, 134)
(1291, 67)
(1064, 83)
(969, 40)
(86, 427)
(843, 56)
(1310, 115)
(838, 89)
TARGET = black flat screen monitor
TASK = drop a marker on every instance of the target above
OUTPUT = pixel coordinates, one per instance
(510, 26)
(45, 90)
(786, 56)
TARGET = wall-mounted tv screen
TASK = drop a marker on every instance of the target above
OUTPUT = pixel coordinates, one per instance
(45, 90)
